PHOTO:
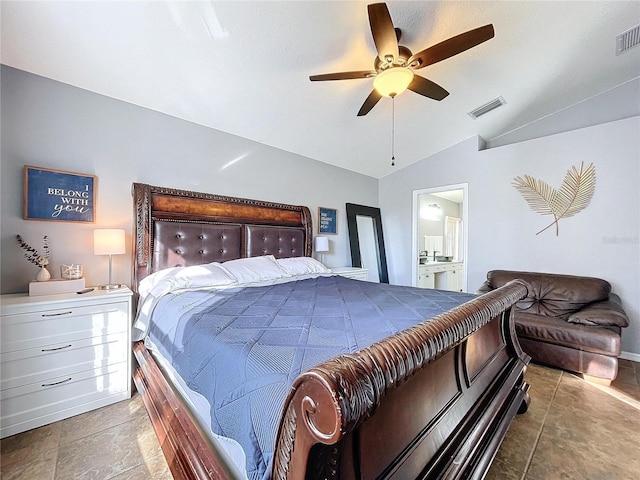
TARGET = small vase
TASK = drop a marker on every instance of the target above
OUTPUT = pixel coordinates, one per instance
(43, 275)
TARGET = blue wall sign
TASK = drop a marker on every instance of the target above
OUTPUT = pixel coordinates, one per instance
(327, 220)
(58, 195)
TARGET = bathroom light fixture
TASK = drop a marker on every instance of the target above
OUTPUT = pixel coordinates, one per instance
(322, 245)
(431, 212)
(108, 241)
(393, 81)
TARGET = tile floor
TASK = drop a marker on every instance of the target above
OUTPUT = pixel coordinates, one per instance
(572, 430)
(115, 442)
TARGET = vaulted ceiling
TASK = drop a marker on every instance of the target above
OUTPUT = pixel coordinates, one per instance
(244, 67)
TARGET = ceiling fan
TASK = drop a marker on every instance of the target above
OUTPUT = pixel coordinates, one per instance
(395, 64)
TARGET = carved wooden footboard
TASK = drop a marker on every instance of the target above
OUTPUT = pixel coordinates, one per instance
(433, 401)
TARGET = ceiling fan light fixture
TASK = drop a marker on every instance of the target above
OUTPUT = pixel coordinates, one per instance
(393, 81)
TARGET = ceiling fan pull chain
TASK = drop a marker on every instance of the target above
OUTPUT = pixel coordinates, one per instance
(393, 131)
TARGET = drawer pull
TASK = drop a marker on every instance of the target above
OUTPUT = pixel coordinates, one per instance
(56, 314)
(54, 349)
(56, 383)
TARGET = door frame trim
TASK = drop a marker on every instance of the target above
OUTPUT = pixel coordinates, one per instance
(415, 253)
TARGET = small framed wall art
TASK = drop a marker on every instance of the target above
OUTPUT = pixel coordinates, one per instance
(58, 195)
(327, 221)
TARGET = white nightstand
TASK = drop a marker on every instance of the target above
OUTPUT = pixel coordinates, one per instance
(62, 355)
(356, 273)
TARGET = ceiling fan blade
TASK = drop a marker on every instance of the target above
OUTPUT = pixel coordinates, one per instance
(427, 88)
(369, 103)
(384, 35)
(342, 76)
(452, 46)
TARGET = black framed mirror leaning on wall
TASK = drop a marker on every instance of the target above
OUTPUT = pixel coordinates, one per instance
(366, 239)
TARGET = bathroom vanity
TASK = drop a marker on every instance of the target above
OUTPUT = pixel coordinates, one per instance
(441, 275)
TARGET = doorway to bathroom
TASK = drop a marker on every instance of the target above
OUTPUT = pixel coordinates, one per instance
(439, 245)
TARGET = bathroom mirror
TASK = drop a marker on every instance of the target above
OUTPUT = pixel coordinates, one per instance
(366, 240)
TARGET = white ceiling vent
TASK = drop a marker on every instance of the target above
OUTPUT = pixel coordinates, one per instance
(487, 107)
(628, 40)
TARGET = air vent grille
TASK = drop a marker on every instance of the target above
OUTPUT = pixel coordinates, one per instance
(487, 107)
(628, 40)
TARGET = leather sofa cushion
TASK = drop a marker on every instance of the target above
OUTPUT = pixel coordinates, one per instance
(556, 331)
(553, 295)
(606, 312)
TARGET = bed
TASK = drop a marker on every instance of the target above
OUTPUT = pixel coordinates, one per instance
(433, 400)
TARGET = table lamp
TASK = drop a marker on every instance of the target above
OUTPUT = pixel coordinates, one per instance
(322, 245)
(108, 241)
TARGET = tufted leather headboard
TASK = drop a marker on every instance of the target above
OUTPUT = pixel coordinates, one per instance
(183, 228)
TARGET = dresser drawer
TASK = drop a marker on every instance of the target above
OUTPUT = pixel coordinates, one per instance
(40, 364)
(63, 325)
(27, 404)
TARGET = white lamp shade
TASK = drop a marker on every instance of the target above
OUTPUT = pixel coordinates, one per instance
(322, 244)
(108, 241)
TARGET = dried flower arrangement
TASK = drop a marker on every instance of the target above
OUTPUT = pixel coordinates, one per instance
(32, 254)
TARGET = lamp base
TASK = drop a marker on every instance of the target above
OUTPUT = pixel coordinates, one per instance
(111, 286)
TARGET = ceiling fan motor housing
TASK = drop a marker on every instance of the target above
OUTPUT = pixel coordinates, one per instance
(404, 54)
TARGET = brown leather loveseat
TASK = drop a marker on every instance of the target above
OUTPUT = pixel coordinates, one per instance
(568, 322)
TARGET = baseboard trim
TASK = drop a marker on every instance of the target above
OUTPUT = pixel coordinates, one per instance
(634, 357)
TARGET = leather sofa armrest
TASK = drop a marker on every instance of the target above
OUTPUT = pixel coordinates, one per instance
(606, 313)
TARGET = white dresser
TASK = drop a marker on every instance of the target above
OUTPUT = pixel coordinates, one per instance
(62, 355)
(356, 273)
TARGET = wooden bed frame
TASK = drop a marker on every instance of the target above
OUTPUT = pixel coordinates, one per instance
(434, 401)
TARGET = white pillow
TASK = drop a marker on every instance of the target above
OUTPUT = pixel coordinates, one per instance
(148, 283)
(175, 278)
(207, 275)
(302, 265)
(255, 269)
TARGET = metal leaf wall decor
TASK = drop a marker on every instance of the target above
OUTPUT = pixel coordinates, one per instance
(574, 194)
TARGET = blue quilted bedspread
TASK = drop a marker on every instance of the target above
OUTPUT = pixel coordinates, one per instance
(242, 348)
